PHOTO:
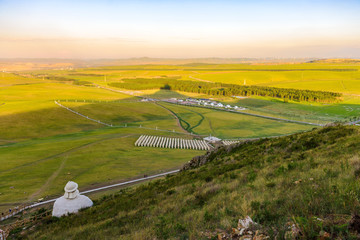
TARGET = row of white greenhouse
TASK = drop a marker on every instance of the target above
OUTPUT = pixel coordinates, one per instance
(165, 142)
(229, 142)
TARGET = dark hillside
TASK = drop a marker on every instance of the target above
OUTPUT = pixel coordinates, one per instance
(308, 179)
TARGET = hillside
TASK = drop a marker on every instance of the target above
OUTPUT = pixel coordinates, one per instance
(307, 179)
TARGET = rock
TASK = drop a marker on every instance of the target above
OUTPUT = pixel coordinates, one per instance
(246, 222)
(209, 156)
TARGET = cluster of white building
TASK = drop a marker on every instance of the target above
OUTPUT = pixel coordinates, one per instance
(166, 142)
(204, 102)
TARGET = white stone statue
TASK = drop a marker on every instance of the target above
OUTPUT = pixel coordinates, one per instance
(71, 202)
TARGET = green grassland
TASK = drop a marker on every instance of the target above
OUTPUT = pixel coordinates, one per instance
(228, 125)
(9, 79)
(29, 111)
(348, 109)
(309, 112)
(129, 113)
(43, 145)
(338, 77)
(36, 168)
(313, 76)
(345, 82)
(309, 179)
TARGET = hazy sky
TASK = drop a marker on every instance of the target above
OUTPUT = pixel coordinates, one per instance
(197, 28)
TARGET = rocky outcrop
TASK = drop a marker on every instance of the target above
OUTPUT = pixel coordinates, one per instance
(210, 155)
(246, 229)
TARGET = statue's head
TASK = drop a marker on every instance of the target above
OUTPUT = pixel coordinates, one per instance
(71, 190)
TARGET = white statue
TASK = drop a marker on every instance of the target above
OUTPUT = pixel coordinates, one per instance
(71, 202)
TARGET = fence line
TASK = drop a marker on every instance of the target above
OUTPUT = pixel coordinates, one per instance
(122, 126)
(5, 232)
(91, 119)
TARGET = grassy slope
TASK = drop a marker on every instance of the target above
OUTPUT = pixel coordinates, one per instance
(256, 178)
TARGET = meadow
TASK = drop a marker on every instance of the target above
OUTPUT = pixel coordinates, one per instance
(341, 76)
(211, 122)
(39, 168)
(43, 145)
(310, 180)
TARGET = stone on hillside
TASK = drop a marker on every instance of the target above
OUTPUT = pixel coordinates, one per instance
(71, 202)
(246, 223)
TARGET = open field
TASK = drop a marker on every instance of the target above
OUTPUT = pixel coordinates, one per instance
(90, 158)
(130, 113)
(230, 125)
(43, 145)
(193, 119)
(310, 112)
(338, 77)
(47, 145)
(28, 111)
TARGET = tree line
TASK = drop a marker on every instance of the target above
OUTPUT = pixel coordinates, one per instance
(223, 89)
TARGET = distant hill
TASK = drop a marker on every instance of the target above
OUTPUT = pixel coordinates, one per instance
(22, 64)
(336, 60)
(307, 182)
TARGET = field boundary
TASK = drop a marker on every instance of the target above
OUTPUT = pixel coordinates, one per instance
(125, 125)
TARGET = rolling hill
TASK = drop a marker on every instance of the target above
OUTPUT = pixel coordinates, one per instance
(306, 179)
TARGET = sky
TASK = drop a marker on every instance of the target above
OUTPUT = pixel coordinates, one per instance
(90, 29)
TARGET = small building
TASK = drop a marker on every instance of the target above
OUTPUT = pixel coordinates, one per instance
(212, 139)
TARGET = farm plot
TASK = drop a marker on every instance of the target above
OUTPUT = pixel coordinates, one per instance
(167, 142)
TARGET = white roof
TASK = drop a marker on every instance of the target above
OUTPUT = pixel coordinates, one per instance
(212, 139)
